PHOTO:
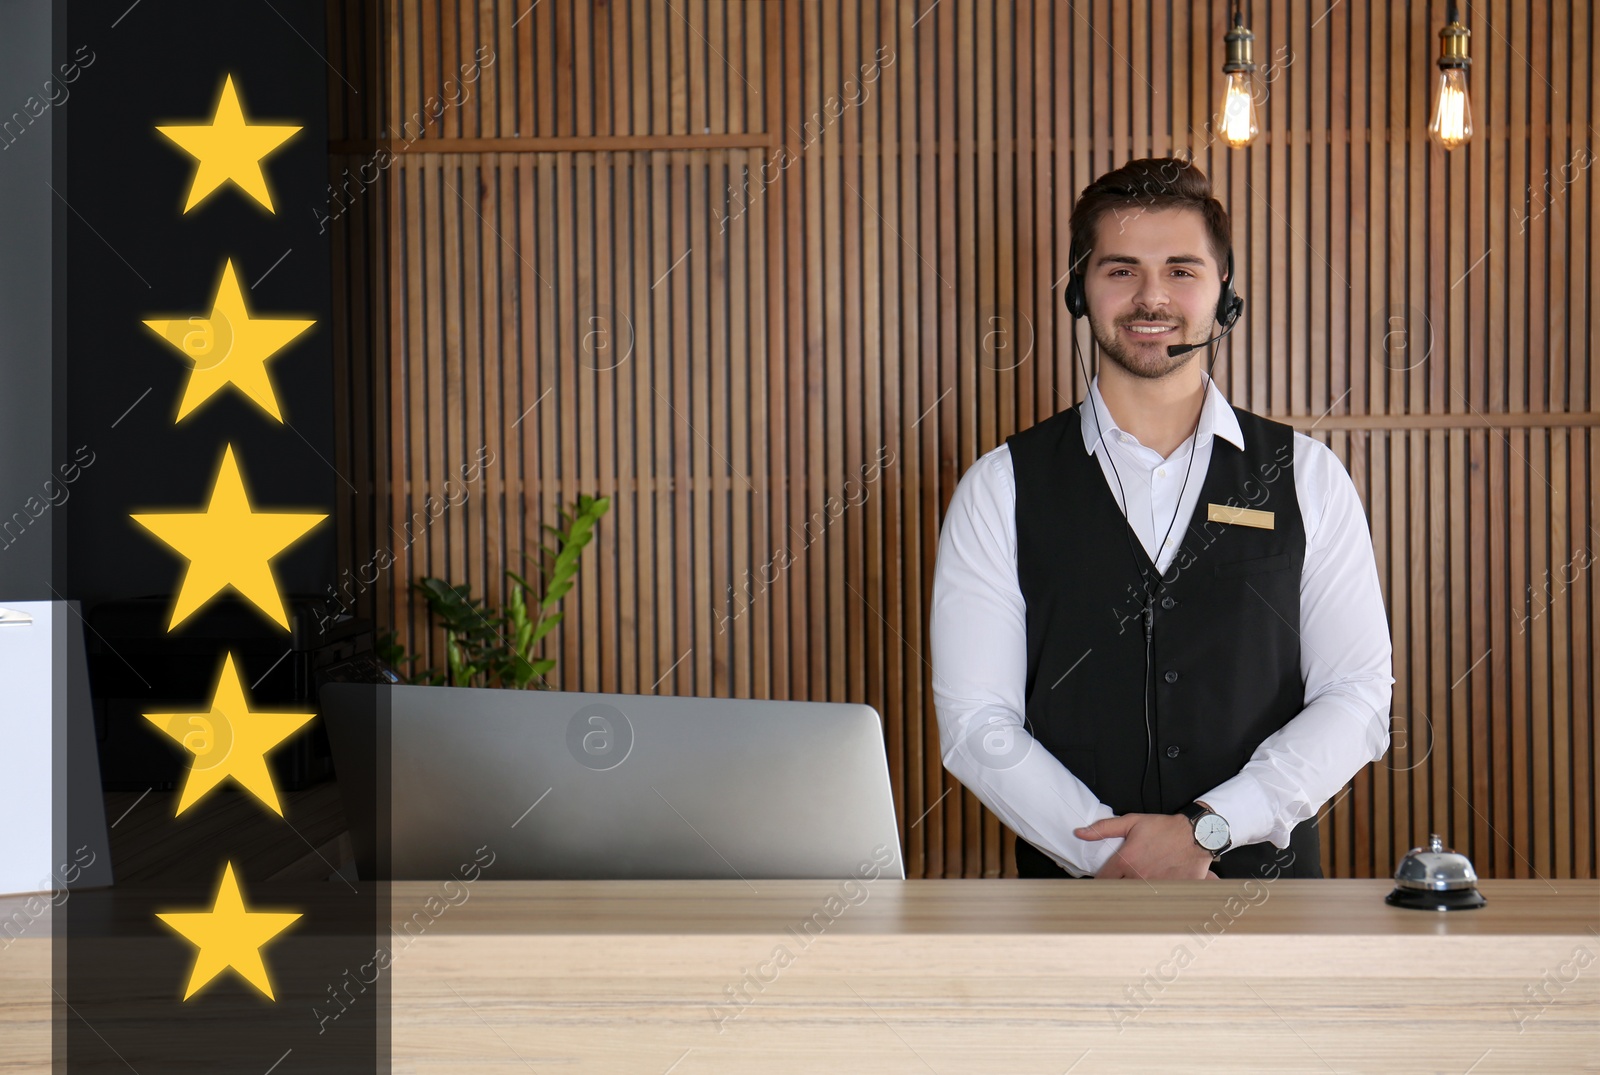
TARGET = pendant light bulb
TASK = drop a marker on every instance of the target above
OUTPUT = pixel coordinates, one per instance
(1238, 111)
(1239, 126)
(1452, 110)
(1452, 107)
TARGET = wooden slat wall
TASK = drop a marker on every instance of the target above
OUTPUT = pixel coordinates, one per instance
(581, 278)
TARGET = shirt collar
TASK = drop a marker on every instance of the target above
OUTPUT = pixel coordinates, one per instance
(1216, 419)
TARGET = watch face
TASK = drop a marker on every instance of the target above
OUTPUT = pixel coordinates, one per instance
(1211, 832)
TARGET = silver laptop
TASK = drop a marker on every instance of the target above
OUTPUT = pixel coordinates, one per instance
(556, 785)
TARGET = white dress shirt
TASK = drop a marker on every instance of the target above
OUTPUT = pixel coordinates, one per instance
(978, 634)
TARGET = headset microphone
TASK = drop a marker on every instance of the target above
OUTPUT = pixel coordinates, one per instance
(1176, 349)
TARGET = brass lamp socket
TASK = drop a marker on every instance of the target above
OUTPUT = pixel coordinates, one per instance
(1453, 46)
(1240, 42)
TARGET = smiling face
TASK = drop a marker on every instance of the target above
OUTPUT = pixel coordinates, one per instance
(1151, 282)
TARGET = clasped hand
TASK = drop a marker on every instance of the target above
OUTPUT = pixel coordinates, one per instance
(1154, 847)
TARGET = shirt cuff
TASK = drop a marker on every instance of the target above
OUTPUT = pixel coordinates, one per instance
(1247, 810)
(1094, 854)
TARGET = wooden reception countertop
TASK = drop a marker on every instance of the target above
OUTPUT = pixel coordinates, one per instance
(1331, 906)
(960, 975)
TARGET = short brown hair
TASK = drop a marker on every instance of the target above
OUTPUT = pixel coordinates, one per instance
(1149, 183)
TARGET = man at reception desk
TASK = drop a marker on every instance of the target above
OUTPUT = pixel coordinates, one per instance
(1159, 643)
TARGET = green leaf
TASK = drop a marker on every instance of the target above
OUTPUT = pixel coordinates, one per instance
(546, 625)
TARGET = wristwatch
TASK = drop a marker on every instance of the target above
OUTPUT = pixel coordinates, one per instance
(1210, 829)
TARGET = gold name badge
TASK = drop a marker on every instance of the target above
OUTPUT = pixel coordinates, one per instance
(1223, 513)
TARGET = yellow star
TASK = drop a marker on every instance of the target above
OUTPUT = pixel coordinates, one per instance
(229, 740)
(229, 347)
(227, 544)
(229, 148)
(229, 936)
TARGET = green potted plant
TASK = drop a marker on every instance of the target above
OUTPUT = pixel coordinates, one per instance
(487, 647)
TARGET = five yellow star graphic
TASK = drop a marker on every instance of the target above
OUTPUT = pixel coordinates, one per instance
(229, 347)
(228, 739)
(229, 148)
(227, 544)
(229, 936)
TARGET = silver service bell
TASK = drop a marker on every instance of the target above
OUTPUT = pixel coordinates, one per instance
(1435, 879)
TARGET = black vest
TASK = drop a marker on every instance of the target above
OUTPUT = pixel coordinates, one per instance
(1224, 645)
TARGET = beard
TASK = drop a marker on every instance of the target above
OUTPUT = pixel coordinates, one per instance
(1148, 361)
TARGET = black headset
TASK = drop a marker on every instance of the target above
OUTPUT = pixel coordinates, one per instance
(1229, 308)
(1229, 304)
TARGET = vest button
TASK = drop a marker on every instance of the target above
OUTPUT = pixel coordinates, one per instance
(1167, 602)
(1172, 676)
(1172, 752)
